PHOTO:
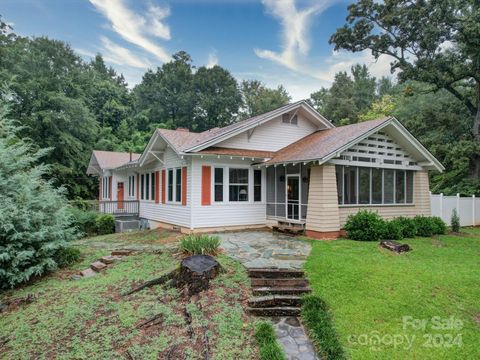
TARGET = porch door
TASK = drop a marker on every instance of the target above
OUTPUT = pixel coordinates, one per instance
(120, 196)
(293, 197)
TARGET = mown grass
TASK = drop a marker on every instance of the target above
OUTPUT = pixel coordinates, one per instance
(370, 290)
(90, 319)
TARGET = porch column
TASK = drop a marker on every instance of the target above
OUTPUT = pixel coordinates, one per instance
(323, 219)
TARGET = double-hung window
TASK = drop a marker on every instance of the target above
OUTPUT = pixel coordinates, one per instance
(257, 185)
(178, 185)
(131, 186)
(238, 184)
(142, 186)
(106, 187)
(218, 184)
(170, 185)
(174, 185)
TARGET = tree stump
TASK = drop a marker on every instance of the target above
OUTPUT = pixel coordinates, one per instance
(196, 272)
(395, 246)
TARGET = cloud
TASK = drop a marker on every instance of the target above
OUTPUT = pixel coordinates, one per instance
(136, 28)
(295, 27)
(212, 59)
(119, 55)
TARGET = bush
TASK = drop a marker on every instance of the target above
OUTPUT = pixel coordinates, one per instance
(429, 225)
(409, 229)
(66, 256)
(319, 322)
(200, 244)
(365, 226)
(85, 221)
(267, 342)
(455, 221)
(105, 224)
(393, 230)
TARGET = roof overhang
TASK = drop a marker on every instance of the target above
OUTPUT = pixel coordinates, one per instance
(93, 166)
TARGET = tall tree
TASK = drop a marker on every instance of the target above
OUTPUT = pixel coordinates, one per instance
(218, 98)
(436, 42)
(258, 99)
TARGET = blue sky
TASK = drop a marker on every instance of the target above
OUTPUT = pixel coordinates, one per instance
(275, 41)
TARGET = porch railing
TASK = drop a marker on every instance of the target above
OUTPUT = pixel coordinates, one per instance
(119, 208)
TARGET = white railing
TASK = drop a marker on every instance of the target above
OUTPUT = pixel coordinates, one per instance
(468, 208)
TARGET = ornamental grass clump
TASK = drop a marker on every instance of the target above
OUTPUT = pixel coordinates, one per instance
(197, 244)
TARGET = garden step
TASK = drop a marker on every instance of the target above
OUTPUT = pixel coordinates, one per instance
(268, 290)
(122, 252)
(275, 311)
(292, 282)
(275, 273)
(109, 259)
(97, 266)
(87, 273)
(274, 301)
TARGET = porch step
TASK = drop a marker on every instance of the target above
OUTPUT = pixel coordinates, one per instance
(288, 229)
(275, 311)
(270, 301)
(288, 282)
(268, 290)
(274, 273)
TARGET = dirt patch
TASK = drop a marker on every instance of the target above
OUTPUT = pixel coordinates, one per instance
(477, 318)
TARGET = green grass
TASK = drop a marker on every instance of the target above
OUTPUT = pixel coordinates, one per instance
(90, 319)
(197, 244)
(267, 342)
(369, 291)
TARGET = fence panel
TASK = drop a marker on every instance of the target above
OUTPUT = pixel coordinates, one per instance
(468, 208)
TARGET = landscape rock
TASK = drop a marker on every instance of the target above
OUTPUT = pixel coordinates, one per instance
(122, 252)
(87, 273)
(109, 259)
(97, 266)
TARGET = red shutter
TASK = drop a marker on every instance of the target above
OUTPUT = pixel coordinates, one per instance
(163, 186)
(157, 187)
(206, 185)
(110, 186)
(184, 185)
(138, 186)
(100, 189)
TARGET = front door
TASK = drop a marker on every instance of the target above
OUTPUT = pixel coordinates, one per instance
(293, 197)
(120, 195)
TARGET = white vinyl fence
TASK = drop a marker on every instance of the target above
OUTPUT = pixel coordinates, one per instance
(468, 208)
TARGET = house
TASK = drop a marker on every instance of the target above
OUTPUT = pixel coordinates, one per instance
(290, 165)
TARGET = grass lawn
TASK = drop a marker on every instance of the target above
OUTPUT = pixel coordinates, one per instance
(369, 291)
(90, 319)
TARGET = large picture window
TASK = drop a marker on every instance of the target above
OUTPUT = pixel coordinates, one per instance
(363, 185)
(238, 185)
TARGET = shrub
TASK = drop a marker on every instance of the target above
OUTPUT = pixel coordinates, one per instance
(409, 229)
(319, 322)
(439, 226)
(393, 230)
(104, 224)
(365, 226)
(35, 222)
(67, 256)
(429, 225)
(85, 221)
(267, 342)
(455, 221)
(200, 244)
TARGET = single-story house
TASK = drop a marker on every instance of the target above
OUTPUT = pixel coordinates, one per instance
(288, 166)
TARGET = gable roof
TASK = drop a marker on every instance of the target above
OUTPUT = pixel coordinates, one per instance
(106, 160)
(237, 152)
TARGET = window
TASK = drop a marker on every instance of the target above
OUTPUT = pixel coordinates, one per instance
(170, 185)
(178, 185)
(131, 185)
(147, 186)
(288, 119)
(218, 184)
(152, 192)
(362, 185)
(257, 185)
(142, 188)
(238, 184)
(106, 187)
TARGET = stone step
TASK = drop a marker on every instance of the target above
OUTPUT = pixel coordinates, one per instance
(97, 266)
(268, 290)
(275, 273)
(87, 273)
(109, 259)
(275, 301)
(275, 311)
(288, 282)
(122, 252)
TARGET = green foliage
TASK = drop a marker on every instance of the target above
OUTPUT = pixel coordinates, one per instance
(200, 244)
(365, 226)
(67, 256)
(34, 219)
(317, 318)
(85, 221)
(104, 224)
(378, 109)
(258, 99)
(429, 225)
(409, 229)
(392, 230)
(269, 347)
(455, 221)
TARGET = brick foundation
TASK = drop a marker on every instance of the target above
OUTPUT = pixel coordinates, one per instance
(327, 235)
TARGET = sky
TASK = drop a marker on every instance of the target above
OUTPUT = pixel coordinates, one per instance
(279, 42)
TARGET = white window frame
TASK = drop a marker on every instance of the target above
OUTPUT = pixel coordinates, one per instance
(224, 191)
(106, 187)
(132, 186)
(174, 185)
(249, 184)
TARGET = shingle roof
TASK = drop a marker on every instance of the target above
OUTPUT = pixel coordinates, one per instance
(324, 142)
(113, 159)
(237, 152)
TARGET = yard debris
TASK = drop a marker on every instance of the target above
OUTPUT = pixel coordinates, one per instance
(154, 320)
(75, 277)
(97, 266)
(395, 246)
(12, 303)
(3, 341)
(158, 281)
(87, 273)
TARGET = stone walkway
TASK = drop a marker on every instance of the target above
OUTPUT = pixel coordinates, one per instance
(261, 249)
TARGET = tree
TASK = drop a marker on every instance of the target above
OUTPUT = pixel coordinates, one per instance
(379, 108)
(436, 42)
(34, 217)
(217, 98)
(364, 86)
(258, 99)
